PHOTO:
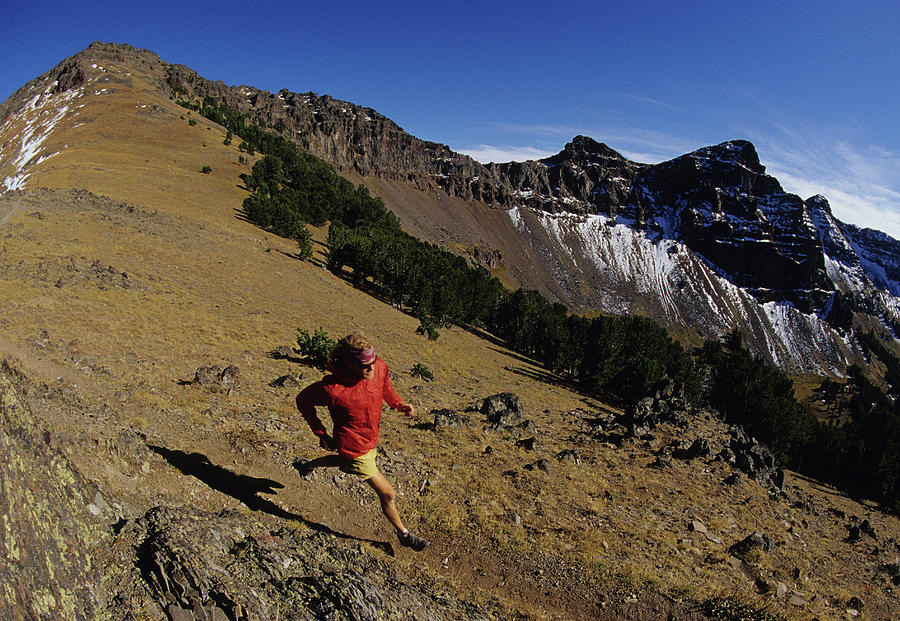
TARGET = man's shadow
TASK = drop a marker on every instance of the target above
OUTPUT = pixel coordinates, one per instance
(246, 489)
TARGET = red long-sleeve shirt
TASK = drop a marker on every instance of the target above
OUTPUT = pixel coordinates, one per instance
(354, 405)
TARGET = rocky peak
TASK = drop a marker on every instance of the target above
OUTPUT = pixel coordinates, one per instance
(73, 72)
(733, 152)
(585, 150)
(819, 203)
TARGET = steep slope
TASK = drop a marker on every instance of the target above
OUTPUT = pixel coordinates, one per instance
(131, 269)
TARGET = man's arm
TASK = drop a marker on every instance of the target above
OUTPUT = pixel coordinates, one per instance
(307, 400)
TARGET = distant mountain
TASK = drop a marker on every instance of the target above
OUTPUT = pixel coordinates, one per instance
(703, 243)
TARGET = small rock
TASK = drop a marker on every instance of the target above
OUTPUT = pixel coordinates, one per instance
(569, 455)
(756, 541)
(286, 381)
(503, 408)
(230, 376)
(734, 479)
(206, 376)
(541, 464)
(101, 503)
(177, 613)
(699, 448)
(761, 585)
(529, 444)
(662, 463)
(698, 526)
(446, 418)
(281, 352)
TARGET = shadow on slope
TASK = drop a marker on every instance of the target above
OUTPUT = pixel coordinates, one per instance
(246, 489)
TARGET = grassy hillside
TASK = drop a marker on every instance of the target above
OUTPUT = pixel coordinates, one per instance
(132, 268)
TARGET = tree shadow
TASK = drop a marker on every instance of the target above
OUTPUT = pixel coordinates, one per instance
(516, 356)
(241, 215)
(246, 489)
(487, 336)
(547, 377)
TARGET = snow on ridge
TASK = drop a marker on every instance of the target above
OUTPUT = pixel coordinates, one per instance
(516, 216)
(38, 117)
(852, 277)
(891, 302)
(687, 292)
(874, 272)
(616, 249)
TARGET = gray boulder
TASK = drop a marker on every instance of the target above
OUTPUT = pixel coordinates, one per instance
(447, 418)
(503, 409)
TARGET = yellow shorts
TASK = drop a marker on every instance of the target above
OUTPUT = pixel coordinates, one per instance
(363, 466)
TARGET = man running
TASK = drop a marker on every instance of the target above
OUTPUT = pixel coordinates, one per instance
(353, 394)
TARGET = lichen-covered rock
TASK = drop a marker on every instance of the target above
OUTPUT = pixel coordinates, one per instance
(47, 569)
(230, 566)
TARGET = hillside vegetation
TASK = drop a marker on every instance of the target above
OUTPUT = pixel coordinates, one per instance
(125, 269)
(621, 358)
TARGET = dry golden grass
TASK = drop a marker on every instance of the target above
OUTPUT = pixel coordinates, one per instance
(205, 287)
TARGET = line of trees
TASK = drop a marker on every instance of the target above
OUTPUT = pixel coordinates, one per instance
(621, 358)
(433, 284)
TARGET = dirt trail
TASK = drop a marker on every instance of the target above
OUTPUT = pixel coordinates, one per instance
(44, 367)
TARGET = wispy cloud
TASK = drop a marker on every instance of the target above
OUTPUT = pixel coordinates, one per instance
(639, 145)
(485, 153)
(649, 100)
(860, 181)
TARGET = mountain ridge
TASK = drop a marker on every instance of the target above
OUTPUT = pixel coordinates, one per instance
(716, 202)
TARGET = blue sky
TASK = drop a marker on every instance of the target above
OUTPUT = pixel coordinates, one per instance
(814, 85)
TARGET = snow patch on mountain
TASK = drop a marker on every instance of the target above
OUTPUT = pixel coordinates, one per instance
(515, 215)
(36, 121)
(677, 286)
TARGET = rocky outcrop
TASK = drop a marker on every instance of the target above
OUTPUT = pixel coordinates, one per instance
(51, 539)
(66, 554)
(749, 456)
(203, 566)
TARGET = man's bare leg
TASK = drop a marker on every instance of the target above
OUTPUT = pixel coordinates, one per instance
(387, 494)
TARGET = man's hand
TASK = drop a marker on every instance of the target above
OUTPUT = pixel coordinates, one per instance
(407, 409)
(327, 442)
